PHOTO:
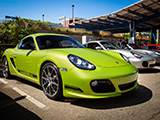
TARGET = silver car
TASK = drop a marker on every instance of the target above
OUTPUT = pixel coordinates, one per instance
(139, 49)
(140, 60)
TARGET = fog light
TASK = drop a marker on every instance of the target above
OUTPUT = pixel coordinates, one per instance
(94, 83)
(145, 64)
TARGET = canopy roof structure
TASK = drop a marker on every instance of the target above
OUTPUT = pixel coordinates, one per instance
(145, 14)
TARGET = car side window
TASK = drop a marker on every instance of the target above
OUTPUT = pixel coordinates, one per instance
(152, 47)
(93, 45)
(27, 43)
(145, 47)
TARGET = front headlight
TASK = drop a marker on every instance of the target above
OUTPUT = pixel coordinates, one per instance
(137, 55)
(157, 53)
(80, 62)
(125, 58)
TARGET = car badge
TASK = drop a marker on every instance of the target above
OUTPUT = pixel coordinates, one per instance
(116, 62)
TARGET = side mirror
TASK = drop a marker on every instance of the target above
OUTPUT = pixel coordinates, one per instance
(98, 48)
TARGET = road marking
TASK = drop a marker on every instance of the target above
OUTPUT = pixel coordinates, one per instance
(3, 81)
(34, 101)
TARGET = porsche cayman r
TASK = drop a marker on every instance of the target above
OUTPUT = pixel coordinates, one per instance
(64, 68)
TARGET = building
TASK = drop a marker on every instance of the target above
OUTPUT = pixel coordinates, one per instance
(69, 21)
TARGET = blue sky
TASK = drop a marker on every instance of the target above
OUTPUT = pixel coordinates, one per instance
(53, 9)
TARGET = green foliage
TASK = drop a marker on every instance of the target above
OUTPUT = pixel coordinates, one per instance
(126, 36)
(11, 32)
(96, 33)
(140, 35)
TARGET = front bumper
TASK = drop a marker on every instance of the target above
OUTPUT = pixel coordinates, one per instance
(144, 64)
(157, 59)
(77, 82)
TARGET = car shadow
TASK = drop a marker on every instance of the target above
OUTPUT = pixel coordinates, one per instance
(21, 80)
(157, 64)
(135, 97)
(10, 110)
(143, 71)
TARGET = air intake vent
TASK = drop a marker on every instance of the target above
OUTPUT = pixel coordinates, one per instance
(102, 86)
(127, 86)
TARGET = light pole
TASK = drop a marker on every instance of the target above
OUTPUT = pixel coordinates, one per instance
(73, 14)
(43, 17)
(72, 11)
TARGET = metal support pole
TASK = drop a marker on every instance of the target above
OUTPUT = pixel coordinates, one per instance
(43, 18)
(64, 21)
(158, 36)
(73, 12)
(73, 18)
(153, 39)
(132, 32)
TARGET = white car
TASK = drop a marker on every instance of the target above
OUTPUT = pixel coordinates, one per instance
(140, 60)
(139, 49)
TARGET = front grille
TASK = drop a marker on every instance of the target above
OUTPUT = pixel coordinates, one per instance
(127, 86)
(102, 86)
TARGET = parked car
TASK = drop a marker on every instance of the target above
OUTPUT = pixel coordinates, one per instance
(63, 67)
(139, 49)
(140, 60)
(152, 46)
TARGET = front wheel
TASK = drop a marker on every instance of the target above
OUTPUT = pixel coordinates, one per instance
(5, 68)
(51, 81)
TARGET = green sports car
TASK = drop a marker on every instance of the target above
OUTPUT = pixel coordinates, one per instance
(64, 68)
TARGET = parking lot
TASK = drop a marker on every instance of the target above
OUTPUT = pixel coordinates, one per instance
(20, 99)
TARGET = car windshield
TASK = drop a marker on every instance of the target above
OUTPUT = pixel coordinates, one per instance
(51, 42)
(107, 45)
(115, 45)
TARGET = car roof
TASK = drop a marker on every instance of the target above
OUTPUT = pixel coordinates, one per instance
(97, 41)
(153, 45)
(45, 34)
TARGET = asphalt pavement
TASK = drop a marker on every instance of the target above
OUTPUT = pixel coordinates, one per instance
(9, 108)
(140, 104)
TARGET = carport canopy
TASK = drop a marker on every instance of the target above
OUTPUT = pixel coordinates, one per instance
(145, 15)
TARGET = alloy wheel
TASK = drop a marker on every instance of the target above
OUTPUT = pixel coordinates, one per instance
(50, 81)
(5, 68)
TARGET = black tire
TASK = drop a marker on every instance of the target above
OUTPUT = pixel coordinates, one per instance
(51, 82)
(5, 68)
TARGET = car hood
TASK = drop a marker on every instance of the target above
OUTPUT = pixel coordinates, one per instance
(148, 52)
(144, 51)
(95, 57)
(128, 53)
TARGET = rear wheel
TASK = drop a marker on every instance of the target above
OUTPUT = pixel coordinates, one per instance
(5, 68)
(51, 81)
